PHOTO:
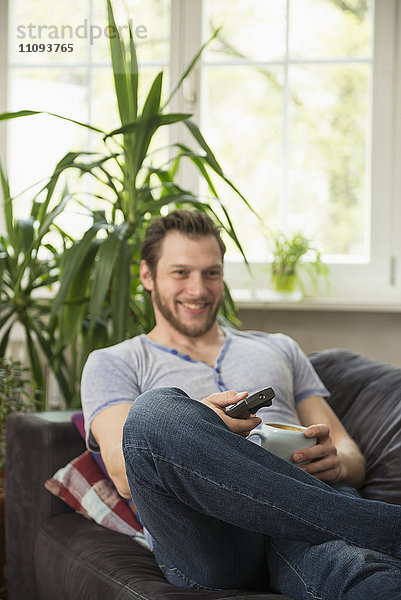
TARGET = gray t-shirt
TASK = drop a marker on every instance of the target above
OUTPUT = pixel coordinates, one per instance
(248, 361)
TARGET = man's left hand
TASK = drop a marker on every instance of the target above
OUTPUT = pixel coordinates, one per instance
(327, 465)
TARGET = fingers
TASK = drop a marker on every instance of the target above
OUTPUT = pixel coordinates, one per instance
(325, 463)
(328, 469)
(320, 431)
(224, 399)
(219, 402)
(320, 451)
(242, 426)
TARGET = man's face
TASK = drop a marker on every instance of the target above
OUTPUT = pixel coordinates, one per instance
(188, 288)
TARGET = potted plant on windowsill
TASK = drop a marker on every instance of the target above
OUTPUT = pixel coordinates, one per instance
(288, 254)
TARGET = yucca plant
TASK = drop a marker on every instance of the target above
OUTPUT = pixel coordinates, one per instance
(29, 268)
(100, 299)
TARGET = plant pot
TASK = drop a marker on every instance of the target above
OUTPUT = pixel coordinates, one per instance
(284, 282)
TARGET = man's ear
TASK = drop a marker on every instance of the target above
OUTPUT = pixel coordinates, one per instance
(146, 276)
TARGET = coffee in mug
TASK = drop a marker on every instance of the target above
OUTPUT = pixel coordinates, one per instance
(283, 439)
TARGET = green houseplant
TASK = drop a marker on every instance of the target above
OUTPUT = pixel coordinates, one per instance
(30, 251)
(100, 300)
(288, 253)
(12, 399)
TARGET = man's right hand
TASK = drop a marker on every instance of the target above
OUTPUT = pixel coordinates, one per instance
(219, 402)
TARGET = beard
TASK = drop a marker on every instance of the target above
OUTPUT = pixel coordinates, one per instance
(189, 330)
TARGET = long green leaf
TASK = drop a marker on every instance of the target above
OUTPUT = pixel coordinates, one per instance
(152, 102)
(97, 337)
(4, 340)
(105, 263)
(120, 72)
(190, 66)
(36, 365)
(194, 129)
(77, 300)
(57, 210)
(133, 75)
(66, 162)
(144, 135)
(212, 161)
(153, 121)
(25, 234)
(8, 206)
(5, 316)
(27, 113)
(199, 162)
(73, 261)
(120, 293)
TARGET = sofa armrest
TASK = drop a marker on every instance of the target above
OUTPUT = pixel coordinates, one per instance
(366, 395)
(37, 445)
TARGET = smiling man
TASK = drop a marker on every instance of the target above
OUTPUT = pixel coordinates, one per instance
(188, 290)
(222, 512)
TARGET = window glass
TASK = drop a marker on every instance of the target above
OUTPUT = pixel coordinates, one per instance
(149, 22)
(242, 119)
(327, 151)
(254, 29)
(77, 84)
(329, 29)
(287, 89)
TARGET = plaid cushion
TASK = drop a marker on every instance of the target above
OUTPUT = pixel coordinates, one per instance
(84, 487)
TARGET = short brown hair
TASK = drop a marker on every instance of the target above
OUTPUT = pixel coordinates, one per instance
(193, 223)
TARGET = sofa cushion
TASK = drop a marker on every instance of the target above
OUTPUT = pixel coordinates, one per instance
(366, 395)
(76, 559)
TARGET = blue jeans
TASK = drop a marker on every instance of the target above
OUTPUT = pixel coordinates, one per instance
(225, 513)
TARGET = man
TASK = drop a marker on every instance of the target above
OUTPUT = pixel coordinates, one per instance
(222, 512)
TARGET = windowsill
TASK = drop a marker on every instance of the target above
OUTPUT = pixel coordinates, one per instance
(262, 299)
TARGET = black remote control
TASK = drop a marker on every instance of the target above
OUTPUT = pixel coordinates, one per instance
(251, 404)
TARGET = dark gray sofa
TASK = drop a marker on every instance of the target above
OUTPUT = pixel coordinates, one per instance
(54, 553)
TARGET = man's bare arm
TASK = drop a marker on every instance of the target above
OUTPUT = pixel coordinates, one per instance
(107, 429)
(336, 456)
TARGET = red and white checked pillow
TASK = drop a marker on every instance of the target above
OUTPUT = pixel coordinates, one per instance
(83, 486)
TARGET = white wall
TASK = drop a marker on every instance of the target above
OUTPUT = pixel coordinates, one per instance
(377, 335)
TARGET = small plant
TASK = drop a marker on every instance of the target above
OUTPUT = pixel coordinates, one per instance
(13, 398)
(287, 254)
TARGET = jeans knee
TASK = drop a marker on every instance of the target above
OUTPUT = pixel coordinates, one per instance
(153, 411)
(159, 399)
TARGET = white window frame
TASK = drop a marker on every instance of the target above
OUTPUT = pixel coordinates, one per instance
(379, 280)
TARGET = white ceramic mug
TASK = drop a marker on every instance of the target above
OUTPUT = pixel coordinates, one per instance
(283, 439)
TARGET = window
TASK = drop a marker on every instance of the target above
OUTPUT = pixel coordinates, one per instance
(59, 62)
(287, 107)
(300, 100)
